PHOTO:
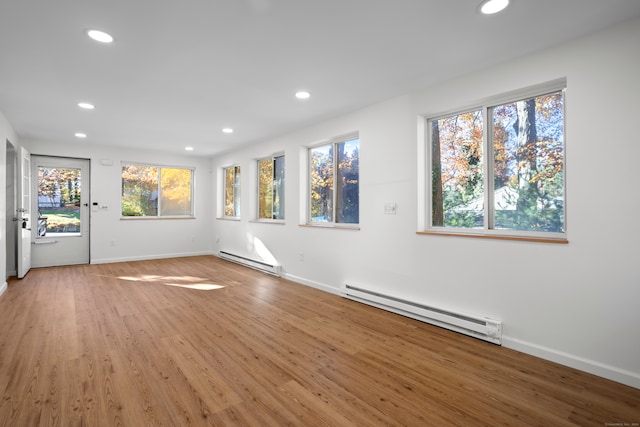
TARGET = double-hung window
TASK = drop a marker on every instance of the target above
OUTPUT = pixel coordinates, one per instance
(271, 188)
(499, 169)
(156, 191)
(334, 181)
(232, 192)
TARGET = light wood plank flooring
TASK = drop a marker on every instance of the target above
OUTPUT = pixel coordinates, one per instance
(199, 341)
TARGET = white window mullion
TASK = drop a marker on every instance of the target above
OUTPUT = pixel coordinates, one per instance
(158, 207)
(309, 185)
(334, 193)
(487, 162)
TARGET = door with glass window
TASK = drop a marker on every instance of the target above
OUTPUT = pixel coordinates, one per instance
(60, 206)
(23, 214)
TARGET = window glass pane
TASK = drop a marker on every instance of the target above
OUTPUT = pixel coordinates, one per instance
(528, 144)
(175, 190)
(457, 176)
(232, 191)
(228, 192)
(59, 191)
(347, 197)
(322, 183)
(278, 188)
(139, 190)
(236, 190)
(265, 188)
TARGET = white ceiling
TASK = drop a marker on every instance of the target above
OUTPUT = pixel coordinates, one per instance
(180, 71)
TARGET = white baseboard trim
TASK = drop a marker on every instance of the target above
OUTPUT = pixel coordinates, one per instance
(312, 284)
(622, 376)
(612, 373)
(3, 288)
(149, 257)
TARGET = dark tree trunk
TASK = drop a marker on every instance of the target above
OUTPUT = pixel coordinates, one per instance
(525, 126)
(436, 179)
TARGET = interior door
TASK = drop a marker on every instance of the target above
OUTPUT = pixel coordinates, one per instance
(24, 213)
(61, 211)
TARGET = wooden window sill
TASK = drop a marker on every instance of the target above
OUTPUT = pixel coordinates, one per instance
(498, 237)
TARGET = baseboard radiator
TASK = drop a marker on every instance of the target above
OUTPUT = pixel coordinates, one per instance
(477, 327)
(248, 262)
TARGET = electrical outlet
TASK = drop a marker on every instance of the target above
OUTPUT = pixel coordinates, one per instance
(301, 256)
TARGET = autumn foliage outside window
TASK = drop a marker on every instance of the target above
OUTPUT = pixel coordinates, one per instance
(156, 191)
(517, 184)
(232, 191)
(271, 188)
(59, 191)
(334, 177)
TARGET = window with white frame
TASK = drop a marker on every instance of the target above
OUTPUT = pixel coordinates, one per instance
(271, 188)
(334, 181)
(500, 168)
(156, 191)
(232, 191)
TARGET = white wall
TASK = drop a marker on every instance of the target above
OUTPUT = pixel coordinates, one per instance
(576, 304)
(113, 239)
(6, 134)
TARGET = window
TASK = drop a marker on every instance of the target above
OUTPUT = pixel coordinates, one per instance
(271, 188)
(156, 191)
(232, 191)
(334, 181)
(499, 169)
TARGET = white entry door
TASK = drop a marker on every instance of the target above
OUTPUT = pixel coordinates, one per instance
(60, 229)
(24, 213)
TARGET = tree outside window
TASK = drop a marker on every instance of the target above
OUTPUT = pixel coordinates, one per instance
(517, 184)
(334, 179)
(232, 191)
(271, 188)
(156, 191)
(59, 191)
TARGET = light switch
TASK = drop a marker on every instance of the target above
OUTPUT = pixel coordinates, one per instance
(390, 208)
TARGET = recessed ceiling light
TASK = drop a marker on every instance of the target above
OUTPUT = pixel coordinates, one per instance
(80, 135)
(489, 7)
(303, 94)
(100, 36)
(86, 106)
(188, 148)
(227, 130)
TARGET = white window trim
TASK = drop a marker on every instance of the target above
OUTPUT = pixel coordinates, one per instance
(424, 168)
(256, 189)
(192, 215)
(220, 214)
(305, 184)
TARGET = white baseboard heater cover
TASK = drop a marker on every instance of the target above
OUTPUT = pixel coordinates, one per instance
(477, 327)
(248, 262)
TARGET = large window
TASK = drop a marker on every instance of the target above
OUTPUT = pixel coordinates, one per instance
(500, 168)
(334, 181)
(156, 191)
(232, 191)
(271, 188)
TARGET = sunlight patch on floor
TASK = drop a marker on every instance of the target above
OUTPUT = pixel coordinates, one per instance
(189, 282)
(198, 286)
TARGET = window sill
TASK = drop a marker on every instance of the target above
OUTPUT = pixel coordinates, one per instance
(228, 218)
(559, 240)
(147, 218)
(268, 221)
(338, 226)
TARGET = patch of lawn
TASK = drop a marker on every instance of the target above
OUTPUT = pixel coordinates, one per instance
(59, 220)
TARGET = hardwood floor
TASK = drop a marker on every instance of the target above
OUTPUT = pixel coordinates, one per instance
(200, 341)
